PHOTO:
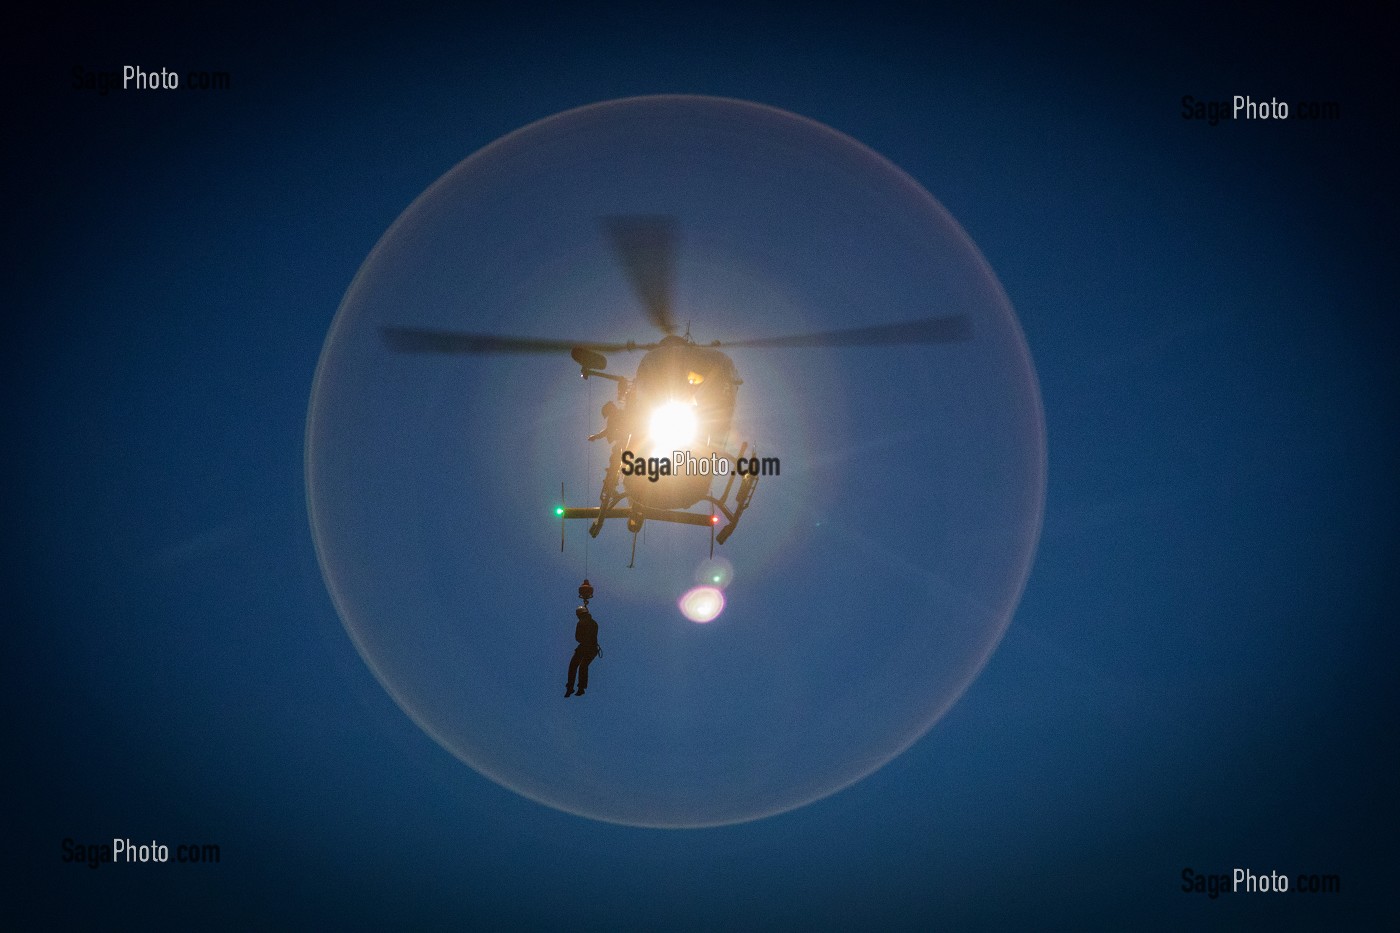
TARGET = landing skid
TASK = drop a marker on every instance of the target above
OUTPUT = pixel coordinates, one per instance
(637, 515)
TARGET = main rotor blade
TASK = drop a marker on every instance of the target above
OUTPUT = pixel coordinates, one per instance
(949, 329)
(646, 247)
(418, 340)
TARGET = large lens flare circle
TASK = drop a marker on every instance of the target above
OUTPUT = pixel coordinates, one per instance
(859, 594)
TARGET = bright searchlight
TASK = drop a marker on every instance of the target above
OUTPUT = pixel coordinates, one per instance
(673, 426)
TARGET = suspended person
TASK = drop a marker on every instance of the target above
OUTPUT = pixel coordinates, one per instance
(586, 634)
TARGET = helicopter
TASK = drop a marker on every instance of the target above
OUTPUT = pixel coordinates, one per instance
(669, 427)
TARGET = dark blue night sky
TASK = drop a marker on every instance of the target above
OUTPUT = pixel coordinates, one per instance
(1201, 671)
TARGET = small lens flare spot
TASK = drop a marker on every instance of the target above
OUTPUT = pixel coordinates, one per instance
(716, 571)
(701, 604)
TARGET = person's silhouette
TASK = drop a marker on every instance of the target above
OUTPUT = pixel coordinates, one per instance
(586, 634)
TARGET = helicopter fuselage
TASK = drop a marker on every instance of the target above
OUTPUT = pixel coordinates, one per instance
(679, 407)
